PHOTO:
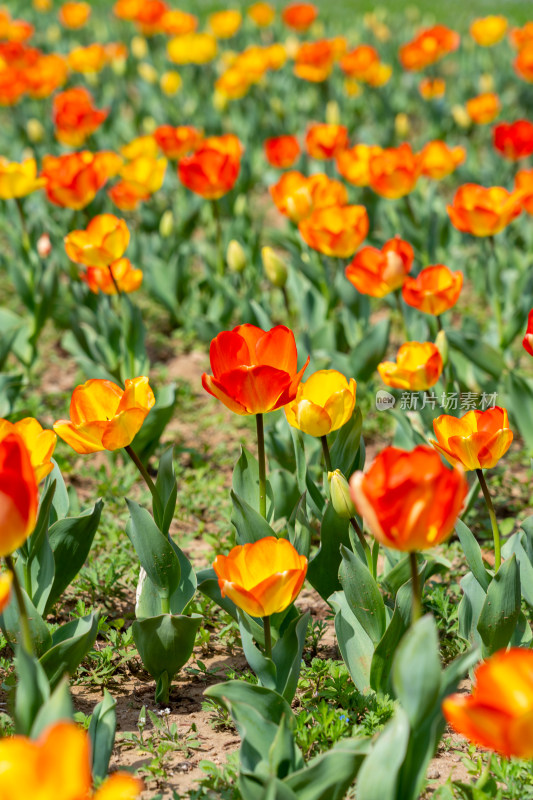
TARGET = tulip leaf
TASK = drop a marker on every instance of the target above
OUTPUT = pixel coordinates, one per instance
(57, 708)
(384, 653)
(480, 353)
(70, 645)
(287, 656)
(473, 555)
(514, 545)
(264, 667)
(33, 690)
(356, 646)
(102, 735)
(248, 522)
(370, 350)
(299, 528)
(329, 775)
(245, 482)
(154, 550)
(470, 608)
(167, 491)
(520, 392)
(9, 622)
(363, 595)
(374, 782)
(501, 608)
(416, 670)
(345, 448)
(323, 569)
(147, 439)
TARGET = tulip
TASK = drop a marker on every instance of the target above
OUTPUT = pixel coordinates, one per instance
(39, 443)
(235, 256)
(88, 60)
(178, 23)
(119, 277)
(341, 499)
(297, 196)
(483, 108)
(18, 180)
(177, 142)
(523, 63)
(418, 367)
(74, 15)
(439, 160)
(481, 211)
(275, 268)
(378, 272)
(394, 172)
(103, 241)
(354, 164)
(514, 140)
(325, 141)
(299, 16)
(145, 175)
(150, 15)
(323, 403)
(428, 47)
(44, 245)
(431, 88)
(498, 714)
(359, 63)
(57, 765)
(435, 290)
(476, 441)
(336, 230)
(75, 117)
(6, 582)
(141, 146)
(522, 37)
(262, 578)
(73, 180)
(105, 417)
(254, 371)
(488, 31)
(209, 172)
(524, 189)
(18, 494)
(262, 14)
(314, 61)
(192, 48)
(282, 151)
(527, 341)
(225, 24)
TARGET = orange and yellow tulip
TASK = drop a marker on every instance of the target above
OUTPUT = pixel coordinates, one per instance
(314, 60)
(88, 60)
(435, 290)
(262, 578)
(74, 15)
(325, 141)
(299, 16)
(39, 443)
(523, 63)
(432, 88)
(105, 417)
(262, 14)
(409, 499)
(524, 188)
(498, 714)
(418, 367)
(354, 163)
(527, 341)
(212, 170)
(428, 47)
(378, 272)
(282, 151)
(323, 403)
(360, 62)
(394, 171)
(481, 211)
(192, 48)
(297, 196)
(484, 108)
(476, 440)
(6, 582)
(254, 371)
(141, 178)
(57, 765)
(119, 276)
(225, 24)
(176, 142)
(18, 494)
(336, 230)
(103, 241)
(73, 180)
(437, 159)
(487, 31)
(177, 23)
(18, 180)
(75, 117)
(47, 74)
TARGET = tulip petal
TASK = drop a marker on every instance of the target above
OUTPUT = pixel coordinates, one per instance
(215, 388)
(277, 348)
(82, 438)
(257, 389)
(119, 786)
(94, 400)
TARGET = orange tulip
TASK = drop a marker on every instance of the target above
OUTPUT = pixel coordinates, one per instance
(524, 188)
(262, 14)
(299, 16)
(18, 494)
(314, 61)
(140, 146)
(481, 211)
(523, 63)
(514, 140)
(476, 440)
(127, 9)
(57, 765)
(324, 141)
(354, 164)
(522, 37)
(527, 341)
(487, 31)
(438, 160)
(428, 47)
(6, 581)
(431, 88)
(360, 62)
(104, 240)
(435, 290)
(282, 151)
(75, 117)
(394, 172)
(233, 84)
(150, 15)
(141, 178)
(323, 403)
(105, 417)
(177, 142)
(209, 171)
(192, 48)
(174, 22)
(88, 60)
(18, 180)
(378, 272)
(409, 499)
(418, 367)
(498, 714)
(39, 443)
(73, 180)
(119, 276)
(483, 108)
(297, 196)
(254, 371)
(48, 73)
(262, 578)
(74, 15)
(225, 24)
(336, 230)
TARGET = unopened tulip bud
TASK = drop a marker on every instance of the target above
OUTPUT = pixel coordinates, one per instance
(275, 268)
(147, 72)
(170, 82)
(401, 124)
(339, 492)
(461, 116)
(35, 130)
(292, 45)
(277, 106)
(235, 256)
(486, 82)
(148, 125)
(442, 346)
(118, 65)
(240, 205)
(139, 47)
(53, 34)
(44, 245)
(333, 114)
(220, 101)
(166, 224)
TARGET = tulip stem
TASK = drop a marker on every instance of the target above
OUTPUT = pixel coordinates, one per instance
(402, 314)
(268, 637)
(364, 544)
(494, 289)
(218, 228)
(493, 520)
(325, 450)
(262, 464)
(25, 236)
(146, 477)
(23, 614)
(417, 597)
(118, 290)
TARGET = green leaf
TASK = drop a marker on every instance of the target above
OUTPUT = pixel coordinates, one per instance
(385, 649)
(10, 624)
(102, 735)
(480, 353)
(501, 608)
(153, 549)
(329, 775)
(248, 522)
(370, 350)
(345, 448)
(472, 552)
(470, 608)
(363, 595)
(514, 545)
(245, 482)
(157, 420)
(356, 647)
(56, 708)
(70, 645)
(416, 670)
(167, 490)
(165, 643)
(379, 776)
(287, 656)
(323, 569)
(32, 690)
(520, 391)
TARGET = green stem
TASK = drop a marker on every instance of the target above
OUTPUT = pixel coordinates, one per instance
(364, 544)
(148, 481)
(218, 227)
(494, 289)
(493, 520)
(24, 622)
(118, 290)
(325, 450)
(410, 210)
(417, 597)
(165, 605)
(25, 237)
(268, 637)
(402, 314)
(485, 775)
(262, 463)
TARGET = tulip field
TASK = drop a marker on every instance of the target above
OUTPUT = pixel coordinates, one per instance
(266, 400)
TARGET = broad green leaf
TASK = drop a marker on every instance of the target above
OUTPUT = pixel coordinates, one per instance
(416, 670)
(363, 595)
(501, 608)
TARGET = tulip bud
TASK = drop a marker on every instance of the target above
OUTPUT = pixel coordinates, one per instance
(277, 106)
(292, 45)
(139, 47)
(35, 130)
(275, 268)
(166, 224)
(401, 124)
(461, 116)
(53, 34)
(486, 82)
(333, 114)
(442, 346)
(118, 65)
(44, 245)
(148, 125)
(235, 256)
(240, 205)
(147, 72)
(352, 87)
(42, 5)
(339, 492)
(170, 82)
(220, 101)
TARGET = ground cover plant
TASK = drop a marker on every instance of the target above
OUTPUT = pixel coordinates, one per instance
(266, 401)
